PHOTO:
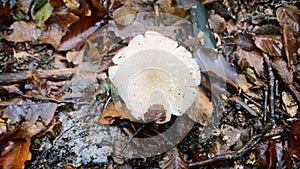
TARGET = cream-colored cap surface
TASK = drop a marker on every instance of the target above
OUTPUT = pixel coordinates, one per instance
(153, 69)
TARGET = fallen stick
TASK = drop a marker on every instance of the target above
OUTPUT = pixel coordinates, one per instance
(21, 77)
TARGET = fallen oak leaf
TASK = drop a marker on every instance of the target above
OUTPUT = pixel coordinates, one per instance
(14, 154)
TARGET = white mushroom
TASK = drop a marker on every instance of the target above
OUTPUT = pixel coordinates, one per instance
(153, 69)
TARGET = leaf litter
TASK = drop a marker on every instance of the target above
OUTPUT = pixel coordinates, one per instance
(44, 101)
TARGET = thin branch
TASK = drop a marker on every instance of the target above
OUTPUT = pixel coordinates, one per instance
(22, 77)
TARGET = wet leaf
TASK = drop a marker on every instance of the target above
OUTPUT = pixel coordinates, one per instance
(14, 154)
(173, 159)
(244, 41)
(202, 109)
(217, 23)
(289, 104)
(108, 114)
(252, 58)
(294, 138)
(23, 31)
(124, 15)
(79, 32)
(43, 14)
(270, 44)
(289, 43)
(289, 15)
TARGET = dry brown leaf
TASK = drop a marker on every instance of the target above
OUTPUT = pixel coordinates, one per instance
(250, 58)
(202, 109)
(154, 113)
(290, 105)
(289, 43)
(52, 35)
(173, 159)
(286, 75)
(289, 15)
(244, 41)
(281, 68)
(217, 23)
(23, 31)
(124, 15)
(165, 5)
(109, 114)
(14, 154)
(270, 44)
(63, 17)
(79, 31)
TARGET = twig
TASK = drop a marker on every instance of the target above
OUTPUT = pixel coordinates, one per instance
(21, 77)
(265, 118)
(271, 88)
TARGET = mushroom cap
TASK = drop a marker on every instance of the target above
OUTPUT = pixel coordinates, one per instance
(153, 69)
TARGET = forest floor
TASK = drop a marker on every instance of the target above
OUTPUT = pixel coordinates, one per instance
(58, 108)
